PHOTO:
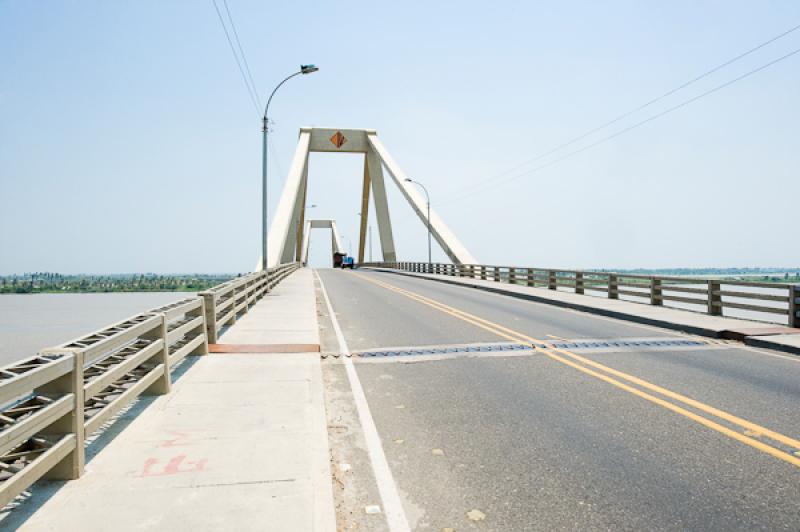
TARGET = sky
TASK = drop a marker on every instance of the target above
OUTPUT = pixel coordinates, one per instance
(128, 142)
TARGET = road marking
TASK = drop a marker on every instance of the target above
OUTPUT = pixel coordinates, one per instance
(636, 380)
(393, 508)
(551, 351)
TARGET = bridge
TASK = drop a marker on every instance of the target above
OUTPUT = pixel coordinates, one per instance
(413, 396)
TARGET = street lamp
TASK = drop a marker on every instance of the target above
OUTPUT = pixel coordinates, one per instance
(304, 69)
(428, 198)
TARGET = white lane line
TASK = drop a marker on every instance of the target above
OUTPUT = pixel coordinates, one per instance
(392, 507)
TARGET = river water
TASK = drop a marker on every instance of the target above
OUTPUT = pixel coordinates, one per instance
(30, 322)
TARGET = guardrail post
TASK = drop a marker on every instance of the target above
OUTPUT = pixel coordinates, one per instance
(613, 286)
(551, 280)
(163, 384)
(714, 299)
(497, 273)
(655, 292)
(201, 349)
(71, 466)
(234, 295)
(578, 282)
(210, 306)
(512, 276)
(794, 305)
(529, 277)
(483, 271)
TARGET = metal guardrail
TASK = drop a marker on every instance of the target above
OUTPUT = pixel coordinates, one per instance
(50, 403)
(712, 296)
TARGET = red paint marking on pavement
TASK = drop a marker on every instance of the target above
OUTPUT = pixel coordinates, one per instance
(172, 467)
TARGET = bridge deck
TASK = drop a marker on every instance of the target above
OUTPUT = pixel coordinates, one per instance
(593, 423)
(624, 427)
(239, 444)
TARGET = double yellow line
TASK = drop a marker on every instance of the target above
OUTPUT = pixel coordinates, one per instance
(626, 382)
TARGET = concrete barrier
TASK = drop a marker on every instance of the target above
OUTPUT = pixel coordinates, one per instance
(227, 301)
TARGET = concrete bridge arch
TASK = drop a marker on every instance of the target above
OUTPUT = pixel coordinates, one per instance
(336, 239)
(287, 241)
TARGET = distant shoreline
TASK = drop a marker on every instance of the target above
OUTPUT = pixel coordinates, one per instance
(55, 283)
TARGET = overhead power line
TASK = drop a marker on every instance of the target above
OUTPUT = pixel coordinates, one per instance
(250, 89)
(638, 124)
(638, 108)
(241, 51)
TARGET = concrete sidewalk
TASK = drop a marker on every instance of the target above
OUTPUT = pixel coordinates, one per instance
(239, 444)
(781, 338)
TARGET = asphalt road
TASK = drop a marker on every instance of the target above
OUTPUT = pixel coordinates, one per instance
(697, 438)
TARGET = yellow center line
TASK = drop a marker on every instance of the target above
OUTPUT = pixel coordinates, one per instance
(550, 351)
(636, 380)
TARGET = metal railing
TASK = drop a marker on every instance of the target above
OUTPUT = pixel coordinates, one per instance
(771, 302)
(50, 403)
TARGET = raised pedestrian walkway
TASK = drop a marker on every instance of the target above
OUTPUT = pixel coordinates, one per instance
(239, 444)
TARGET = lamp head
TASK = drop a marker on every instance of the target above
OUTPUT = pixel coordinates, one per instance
(308, 69)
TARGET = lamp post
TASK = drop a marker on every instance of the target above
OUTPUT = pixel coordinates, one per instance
(304, 69)
(428, 199)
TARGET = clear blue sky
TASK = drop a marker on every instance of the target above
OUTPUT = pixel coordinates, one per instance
(128, 142)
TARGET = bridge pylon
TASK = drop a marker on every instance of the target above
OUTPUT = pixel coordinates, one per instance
(287, 241)
(336, 239)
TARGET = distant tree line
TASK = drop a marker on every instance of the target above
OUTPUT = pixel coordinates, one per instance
(47, 282)
(775, 275)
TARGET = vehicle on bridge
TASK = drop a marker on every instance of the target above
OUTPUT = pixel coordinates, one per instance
(342, 260)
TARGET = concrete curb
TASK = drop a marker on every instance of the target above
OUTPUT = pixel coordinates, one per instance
(773, 343)
(755, 341)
